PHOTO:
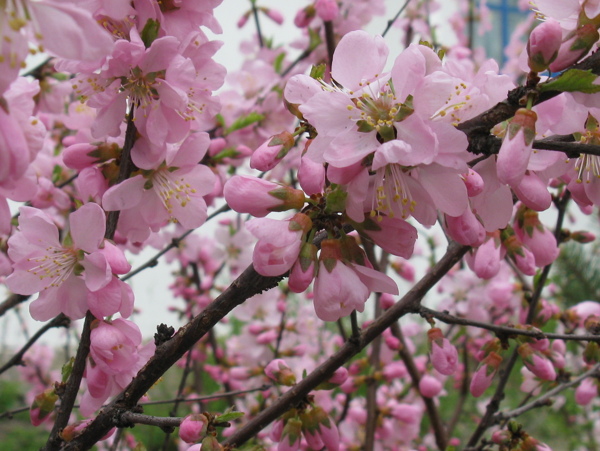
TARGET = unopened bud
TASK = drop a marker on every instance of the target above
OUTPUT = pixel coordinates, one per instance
(193, 428)
(42, 406)
(543, 45)
(278, 371)
(268, 155)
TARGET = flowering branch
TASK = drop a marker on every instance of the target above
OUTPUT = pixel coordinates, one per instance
(352, 347)
(544, 399)
(494, 403)
(432, 410)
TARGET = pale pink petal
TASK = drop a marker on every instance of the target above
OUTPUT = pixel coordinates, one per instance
(88, 225)
(446, 188)
(350, 71)
(125, 195)
(375, 280)
(97, 272)
(408, 71)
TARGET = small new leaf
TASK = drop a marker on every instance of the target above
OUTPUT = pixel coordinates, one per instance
(245, 121)
(228, 416)
(150, 32)
(67, 369)
(573, 80)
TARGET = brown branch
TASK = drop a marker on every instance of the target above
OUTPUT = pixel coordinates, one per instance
(67, 398)
(12, 301)
(248, 284)
(60, 321)
(72, 385)
(350, 348)
(505, 331)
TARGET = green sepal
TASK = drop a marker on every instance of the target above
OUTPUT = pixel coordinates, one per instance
(573, 80)
(404, 111)
(336, 201)
(244, 121)
(364, 126)
(228, 416)
(317, 72)
(150, 32)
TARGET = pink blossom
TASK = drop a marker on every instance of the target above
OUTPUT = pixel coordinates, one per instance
(173, 191)
(429, 386)
(278, 371)
(341, 288)
(279, 243)
(586, 391)
(193, 428)
(543, 44)
(515, 151)
(482, 378)
(259, 197)
(327, 10)
(270, 153)
(43, 265)
(443, 354)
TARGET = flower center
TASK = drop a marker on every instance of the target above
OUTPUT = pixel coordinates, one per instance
(171, 188)
(392, 195)
(56, 265)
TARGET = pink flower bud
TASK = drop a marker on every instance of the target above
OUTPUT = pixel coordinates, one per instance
(533, 192)
(303, 271)
(274, 15)
(311, 176)
(42, 406)
(538, 365)
(210, 443)
(339, 376)
(583, 236)
(291, 435)
(443, 354)
(304, 16)
(278, 371)
(543, 45)
(386, 300)
(243, 20)
(258, 197)
(473, 183)
(577, 45)
(327, 9)
(392, 342)
(429, 386)
(465, 229)
(269, 154)
(482, 378)
(515, 151)
(586, 391)
(193, 428)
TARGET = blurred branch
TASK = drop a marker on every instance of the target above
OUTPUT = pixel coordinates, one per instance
(59, 321)
(545, 399)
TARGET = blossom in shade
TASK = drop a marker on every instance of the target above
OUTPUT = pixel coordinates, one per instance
(443, 354)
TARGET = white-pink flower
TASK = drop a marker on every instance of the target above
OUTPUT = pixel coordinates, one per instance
(71, 277)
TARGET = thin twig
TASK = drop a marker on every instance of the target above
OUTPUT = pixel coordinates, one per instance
(175, 242)
(545, 398)
(447, 318)
(391, 22)
(415, 376)
(59, 321)
(261, 43)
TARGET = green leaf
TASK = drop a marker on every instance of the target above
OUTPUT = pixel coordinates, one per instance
(67, 369)
(245, 121)
(278, 62)
(229, 416)
(573, 80)
(150, 32)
